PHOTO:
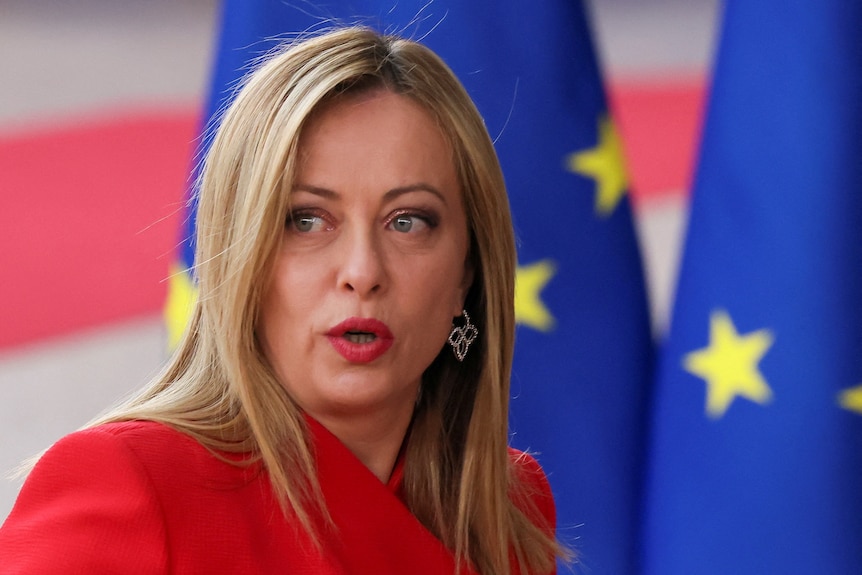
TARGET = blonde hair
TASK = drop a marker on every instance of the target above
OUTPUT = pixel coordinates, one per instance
(219, 388)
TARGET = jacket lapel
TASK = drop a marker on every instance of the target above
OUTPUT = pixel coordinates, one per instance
(375, 532)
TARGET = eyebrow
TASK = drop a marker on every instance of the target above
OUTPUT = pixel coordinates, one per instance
(387, 197)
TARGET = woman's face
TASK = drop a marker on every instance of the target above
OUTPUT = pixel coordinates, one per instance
(373, 262)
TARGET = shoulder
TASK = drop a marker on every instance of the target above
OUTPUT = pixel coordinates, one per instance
(110, 449)
(118, 438)
(77, 504)
(531, 491)
(153, 457)
(526, 470)
(120, 450)
(150, 442)
(130, 497)
(106, 454)
(134, 435)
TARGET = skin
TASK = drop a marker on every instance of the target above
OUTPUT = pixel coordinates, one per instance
(377, 230)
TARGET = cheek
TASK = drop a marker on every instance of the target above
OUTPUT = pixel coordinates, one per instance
(444, 291)
(296, 284)
(284, 295)
(268, 321)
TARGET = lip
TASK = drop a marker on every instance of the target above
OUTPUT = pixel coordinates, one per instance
(361, 352)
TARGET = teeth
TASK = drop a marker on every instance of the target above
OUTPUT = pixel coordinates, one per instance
(359, 337)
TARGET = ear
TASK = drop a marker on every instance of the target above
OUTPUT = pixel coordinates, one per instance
(464, 287)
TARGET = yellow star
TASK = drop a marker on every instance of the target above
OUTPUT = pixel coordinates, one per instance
(530, 280)
(851, 399)
(605, 165)
(182, 294)
(729, 365)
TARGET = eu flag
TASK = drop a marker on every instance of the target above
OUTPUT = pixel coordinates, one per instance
(756, 462)
(583, 344)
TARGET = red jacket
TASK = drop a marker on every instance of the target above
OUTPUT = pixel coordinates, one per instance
(140, 497)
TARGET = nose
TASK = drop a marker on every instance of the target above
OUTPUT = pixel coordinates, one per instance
(363, 265)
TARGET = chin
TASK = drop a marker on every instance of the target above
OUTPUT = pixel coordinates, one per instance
(356, 397)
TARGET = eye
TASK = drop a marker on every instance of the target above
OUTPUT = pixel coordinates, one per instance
(305, 222)
(404, 223)
(411, 223)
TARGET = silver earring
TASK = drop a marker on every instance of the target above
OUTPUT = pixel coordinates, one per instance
(460, 338)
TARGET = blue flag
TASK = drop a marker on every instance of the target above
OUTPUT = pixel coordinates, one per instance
(583, 347)
(756, 462)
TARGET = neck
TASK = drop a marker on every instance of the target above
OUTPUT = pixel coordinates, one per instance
(374, 439)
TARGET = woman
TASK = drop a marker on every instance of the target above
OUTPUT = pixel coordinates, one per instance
(339, 401)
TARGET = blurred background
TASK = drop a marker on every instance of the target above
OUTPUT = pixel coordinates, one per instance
(100, 105)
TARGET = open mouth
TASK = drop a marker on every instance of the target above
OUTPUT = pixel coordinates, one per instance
(359, 336)
(360, 340)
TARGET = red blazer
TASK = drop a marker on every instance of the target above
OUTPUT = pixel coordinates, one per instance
(140, 497)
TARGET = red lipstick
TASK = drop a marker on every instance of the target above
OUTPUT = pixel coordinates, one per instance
(360, 340)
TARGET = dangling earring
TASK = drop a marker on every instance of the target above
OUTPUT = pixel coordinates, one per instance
(460, 338)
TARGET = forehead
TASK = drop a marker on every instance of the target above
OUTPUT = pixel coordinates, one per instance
(375, 135)
(378, 105)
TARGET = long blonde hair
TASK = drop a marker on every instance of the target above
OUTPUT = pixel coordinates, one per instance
(219, 388)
